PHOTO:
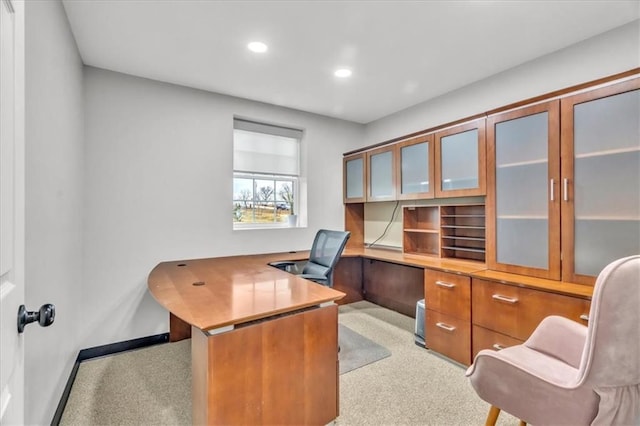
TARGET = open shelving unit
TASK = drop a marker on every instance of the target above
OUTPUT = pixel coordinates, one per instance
(451, 231)
(421, 233)
(462, 231)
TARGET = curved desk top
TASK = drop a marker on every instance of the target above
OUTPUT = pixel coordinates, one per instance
(217, 292)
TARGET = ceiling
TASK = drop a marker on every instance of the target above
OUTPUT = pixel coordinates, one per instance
(401, 52)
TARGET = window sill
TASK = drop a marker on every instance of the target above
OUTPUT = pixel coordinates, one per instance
(257, 226)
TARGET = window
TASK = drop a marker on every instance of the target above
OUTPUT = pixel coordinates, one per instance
(266, 175)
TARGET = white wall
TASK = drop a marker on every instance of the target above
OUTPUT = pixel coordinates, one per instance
(610, 53)
(158, 186)
(54, 175)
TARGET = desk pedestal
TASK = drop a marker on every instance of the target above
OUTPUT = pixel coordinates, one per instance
(282, 370)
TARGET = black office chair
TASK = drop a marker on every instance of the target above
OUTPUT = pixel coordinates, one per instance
(325, 253)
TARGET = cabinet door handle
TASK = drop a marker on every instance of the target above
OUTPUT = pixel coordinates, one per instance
(552, 189)
(584, 317)
(498, 346)
(445, 284)
(565, 186)
(505, 298)
(445, 326)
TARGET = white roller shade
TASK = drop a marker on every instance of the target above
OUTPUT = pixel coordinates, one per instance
(260, 148)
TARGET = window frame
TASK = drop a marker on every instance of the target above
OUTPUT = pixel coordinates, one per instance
(246, 125)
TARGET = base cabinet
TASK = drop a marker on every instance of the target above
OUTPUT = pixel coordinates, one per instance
(488, 339)
(448, 314)
(449, 336)
(504, 315)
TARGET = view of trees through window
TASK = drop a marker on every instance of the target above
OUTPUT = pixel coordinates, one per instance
(262, 199)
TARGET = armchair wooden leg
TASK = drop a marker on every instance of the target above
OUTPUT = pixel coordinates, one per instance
(523, 423)
(494, 412)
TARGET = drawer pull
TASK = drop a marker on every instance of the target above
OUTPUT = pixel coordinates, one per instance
(445, 326)
(498, 346)
(445, 284)
(584, 317)
(505, 298)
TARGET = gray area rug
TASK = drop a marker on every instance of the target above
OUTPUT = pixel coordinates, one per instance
(356, 350)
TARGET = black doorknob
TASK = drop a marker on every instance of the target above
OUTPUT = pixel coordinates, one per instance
(44, 316)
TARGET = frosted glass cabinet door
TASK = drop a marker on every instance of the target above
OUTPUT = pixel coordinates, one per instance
(601, 179)
(354, 178)
(415, 168)
(460, 160)
(381, 182)
(523, 172)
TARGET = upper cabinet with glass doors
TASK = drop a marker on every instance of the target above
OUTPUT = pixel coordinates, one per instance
(600, 179)
(563, 184)
(460, 160)
(381, 174)
(414, 168)
(354, 175)
(523, 207)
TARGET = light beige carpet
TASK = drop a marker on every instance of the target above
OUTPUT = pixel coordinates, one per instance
(413, 386)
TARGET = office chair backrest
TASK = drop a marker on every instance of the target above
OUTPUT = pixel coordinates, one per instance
(325, 253)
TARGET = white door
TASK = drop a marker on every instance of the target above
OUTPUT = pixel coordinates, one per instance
(11, 210)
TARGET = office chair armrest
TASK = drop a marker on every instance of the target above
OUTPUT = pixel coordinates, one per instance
(560, 338)
(320, 279)
(283, 265)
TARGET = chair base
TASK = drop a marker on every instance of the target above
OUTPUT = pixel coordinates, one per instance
(492, 417)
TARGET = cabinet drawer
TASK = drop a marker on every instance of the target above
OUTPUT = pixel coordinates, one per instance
(488, 339)
(517, 311)
(448, 293)
(448, 336)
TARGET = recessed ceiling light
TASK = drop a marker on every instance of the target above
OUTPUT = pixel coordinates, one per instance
(342, 73)
(257, 46)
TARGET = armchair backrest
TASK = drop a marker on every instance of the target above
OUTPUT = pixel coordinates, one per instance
(611, 356)
(325, 253)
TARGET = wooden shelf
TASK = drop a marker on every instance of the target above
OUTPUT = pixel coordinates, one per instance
(462, 232)
(427, 231)
(448, 231)
(455, 237)
(463, 249)
(421, 232)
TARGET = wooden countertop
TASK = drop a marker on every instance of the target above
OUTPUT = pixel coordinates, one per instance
(473, 269)
(455, 266)
(234, 289)
(239, 289)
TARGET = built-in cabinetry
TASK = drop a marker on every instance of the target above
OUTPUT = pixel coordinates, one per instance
(415, 169)
(448, 314)
(462, 232)
(460, 160)
(578, 186)
(600, 167)
(523, 173)
(562, 201)
(354, 178)
(421, 230)
(381, 174)
(506, 314)
(448, 163)
(450, 231)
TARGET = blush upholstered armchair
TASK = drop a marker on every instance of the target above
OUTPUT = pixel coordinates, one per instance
(569, 374)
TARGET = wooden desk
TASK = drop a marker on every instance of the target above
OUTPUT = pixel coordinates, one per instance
(264, 342)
